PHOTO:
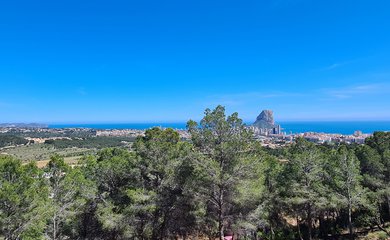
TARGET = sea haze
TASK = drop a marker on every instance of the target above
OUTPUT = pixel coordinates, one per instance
(345, 127)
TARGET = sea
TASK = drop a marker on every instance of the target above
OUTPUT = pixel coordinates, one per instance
(339, 127)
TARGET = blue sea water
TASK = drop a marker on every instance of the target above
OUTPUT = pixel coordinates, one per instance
(346, 127)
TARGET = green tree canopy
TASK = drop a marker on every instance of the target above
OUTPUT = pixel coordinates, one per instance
(23, 200)
(225, 145)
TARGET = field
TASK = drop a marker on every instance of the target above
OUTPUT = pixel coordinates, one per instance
(71, 149)
(69, 160)
(43, 152)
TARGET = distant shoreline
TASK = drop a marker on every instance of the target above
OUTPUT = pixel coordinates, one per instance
(336, 127)
(294, 127)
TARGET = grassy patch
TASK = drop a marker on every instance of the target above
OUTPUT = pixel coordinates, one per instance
(42, 152)
(377, 235)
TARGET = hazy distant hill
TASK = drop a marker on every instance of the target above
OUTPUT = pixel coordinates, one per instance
(24, 125)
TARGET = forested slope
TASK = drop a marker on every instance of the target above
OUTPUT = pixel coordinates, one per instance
(222, 181)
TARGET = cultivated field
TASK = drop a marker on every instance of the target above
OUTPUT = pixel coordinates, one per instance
(43, 152)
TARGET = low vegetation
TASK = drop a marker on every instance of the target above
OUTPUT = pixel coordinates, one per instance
(70, 148)
(43, 152)
(91, 142)
(11, 140)
(222, 181)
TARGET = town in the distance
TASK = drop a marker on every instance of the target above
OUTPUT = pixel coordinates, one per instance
(264, 128)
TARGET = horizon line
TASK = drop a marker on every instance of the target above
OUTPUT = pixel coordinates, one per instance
(182, 122)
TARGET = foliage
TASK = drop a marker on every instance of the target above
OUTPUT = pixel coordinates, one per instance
(91, 142)
(23, 200)
(69, 191)
(218, 182)
(225, 145)
(11, 140)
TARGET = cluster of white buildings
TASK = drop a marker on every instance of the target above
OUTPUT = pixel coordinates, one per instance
(120, 132)
(334, 138)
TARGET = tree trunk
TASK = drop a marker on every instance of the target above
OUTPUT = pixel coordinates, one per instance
(272, 232)
(54, 228)
(335, 215)
(299, 229)
(388, 203)
(163, 226)
(350, 227)
(155, 232)
(309, 222)
(220, 202)
(220, 218)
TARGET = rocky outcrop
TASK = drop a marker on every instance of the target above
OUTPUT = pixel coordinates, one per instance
(265, 120)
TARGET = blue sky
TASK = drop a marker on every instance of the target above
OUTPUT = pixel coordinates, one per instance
(166, 61)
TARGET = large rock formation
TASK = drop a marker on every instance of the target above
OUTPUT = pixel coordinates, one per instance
(265, 120)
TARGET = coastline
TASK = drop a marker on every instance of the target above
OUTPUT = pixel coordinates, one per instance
(294, 127)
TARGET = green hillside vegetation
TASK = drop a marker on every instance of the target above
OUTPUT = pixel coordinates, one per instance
(71, 133)
(91, 142)
(221, 181)
(76, 147)
(40, 152)
(11, 140)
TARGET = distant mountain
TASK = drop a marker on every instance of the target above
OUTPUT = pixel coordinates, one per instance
(24, 125)
(265, 120)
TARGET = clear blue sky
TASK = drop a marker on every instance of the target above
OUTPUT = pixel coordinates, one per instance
(166, 61)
